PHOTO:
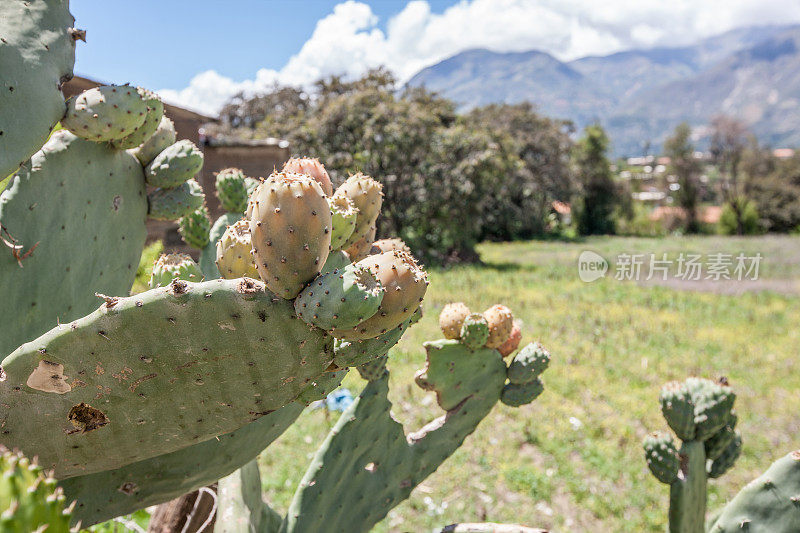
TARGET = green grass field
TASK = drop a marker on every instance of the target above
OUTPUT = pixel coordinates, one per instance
(572, 460)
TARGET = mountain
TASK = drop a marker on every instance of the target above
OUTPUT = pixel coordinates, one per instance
(641, 95)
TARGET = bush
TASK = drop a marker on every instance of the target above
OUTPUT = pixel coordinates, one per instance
(750, 222)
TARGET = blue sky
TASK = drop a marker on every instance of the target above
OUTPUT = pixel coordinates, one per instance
(200, 53)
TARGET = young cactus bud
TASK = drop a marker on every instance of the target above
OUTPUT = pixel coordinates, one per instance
(678, 409)
(106, 113)
(340, 299)
(713, 403)
(366, 195)
(174, 165)
(501, 322)
(512, 343)
(343, 219)
(451, 318)
(290, 225)
(405, 283)
(163, 137)
(515, 395)
(172, 204)
(235, 253)
(195, 227)
(310, 167)
(232, 190)
(662, 456)
(474, 331)
(389, 245)
(174, 266)
(155, 112)
(528, 364)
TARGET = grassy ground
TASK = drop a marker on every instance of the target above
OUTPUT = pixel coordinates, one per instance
(572, 460)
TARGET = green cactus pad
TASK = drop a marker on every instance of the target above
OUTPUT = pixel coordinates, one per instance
(208, 256)
(163, 137)
(36, 56)
(343, 220)
(662, 456)
(174, 165)
(195, 227)
(172, 204)
(340, 299)
(373, 370)
(174, 266)
(727, 458)
(336, 259)
(678, 409)
(528, 364)
(105, 113)
(515, 395)
(64, 215)
(768, 504)
(712, 406)
(232, 190)
(720, 440)
(94, 390)
(354, 353)
(155, 112)
(474, 331)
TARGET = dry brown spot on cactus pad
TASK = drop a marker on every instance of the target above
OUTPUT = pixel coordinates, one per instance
(249, 286)
(49, 377)
(178, 287)
(128, 488)
(86, 418)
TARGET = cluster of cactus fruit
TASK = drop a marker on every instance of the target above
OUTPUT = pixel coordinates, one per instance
(157, 394)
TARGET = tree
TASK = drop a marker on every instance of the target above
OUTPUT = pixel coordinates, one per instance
(593, 170)
(776, 194)
(728, 142)
(687, 169)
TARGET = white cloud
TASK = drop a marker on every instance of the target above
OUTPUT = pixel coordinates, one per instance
(348, 41)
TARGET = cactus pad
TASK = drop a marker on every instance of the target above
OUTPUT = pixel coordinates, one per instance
(232, 190)
(662, 456)
(515, 395)
(105, 113)
(451, 318)
(195, 227)
(528, 364)
(152, 119)
(172, 204)
(678, 409)
(474, 331)
(175, 164)
(163, 137)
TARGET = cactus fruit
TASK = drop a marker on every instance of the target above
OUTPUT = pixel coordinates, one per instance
(516, 395)
(361, 248)
(451, 318)
(235, 253)
(172, 204)
(290, 227)
(405, 283)
(512, 343)
(55, 273)
(662, 456)
(232, 190)
(208, 255)
(30, 500)
(310, 167)
(194, 228)
(88, 370)
(163, 137)
(174, 165)
(251, 184)
(341, 298)
(105, 113)
(388, 245)
(343, 220)
(37, 55)
(768, 504)
(367, 196)
(174, 266)
(501, 322)
(474, 331)
(155, 112)
(528, 364)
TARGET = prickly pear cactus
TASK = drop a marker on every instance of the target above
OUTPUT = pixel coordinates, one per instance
(37, 53)
(174, 266)
(232, 190)
(474, 331)
(367, 196)
(235, 253)
(163, 137)
(195, 228)
(343, 220)
(172, 204)
(700, 412)
(310, 167)
(106, 113)
(451, 318)
(175, 164)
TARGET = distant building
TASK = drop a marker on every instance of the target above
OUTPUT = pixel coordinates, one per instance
(783, 153)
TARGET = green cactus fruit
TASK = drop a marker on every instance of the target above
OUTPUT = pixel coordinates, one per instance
(343, 219)
(474, 331)
(768, 504)
(361, 248)
(388, 245)
(155, 112)
(290, 225)
(37, 55)
(105, 113)
(310, 167)
(235, 253)
(195, 227)
(367, 196)
(341, 298)
(512, 343)
(720, 440)
(373, 370)
(61, 259)
(501, 322)
(232, 190)
(662, 456)
(174, 165)
(174, 266)
(713, 402)
(163, 137)
(405, 283)
(30, 499)
(727, 458)
(172, 204)
(528, 364)
(677, 407)
(251, 184)
(336, 259)
(451, 318)
(94, 390)
(515, 395)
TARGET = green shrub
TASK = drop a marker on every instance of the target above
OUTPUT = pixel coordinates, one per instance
(728, 223)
